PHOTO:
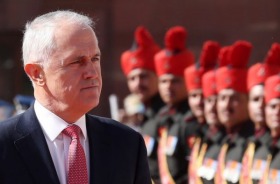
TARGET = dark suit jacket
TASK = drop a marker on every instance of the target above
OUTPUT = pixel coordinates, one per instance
(117, 153)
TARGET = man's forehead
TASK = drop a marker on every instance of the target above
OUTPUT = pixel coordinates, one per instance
(138, 71)
(228, 92)
(274, 101)
(168, 77)
(212, 97)
(195, 91)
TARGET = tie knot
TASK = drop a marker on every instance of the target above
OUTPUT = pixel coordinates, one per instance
(72, 131)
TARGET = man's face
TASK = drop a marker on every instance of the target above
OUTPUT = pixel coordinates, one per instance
(172, 89)
(272, 114)
(256, 105)
(195, 98)
(143, 83)
(232, 107)
(210, 110)
(73, 75)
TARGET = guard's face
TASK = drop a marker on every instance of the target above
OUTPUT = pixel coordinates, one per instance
(195, 98)
(73, 76)
(272, 113)
(256, 105)
(232, 107)
(143, 83)
(210, 110)
(172, 89)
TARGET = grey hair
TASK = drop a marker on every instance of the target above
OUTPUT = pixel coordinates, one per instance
(38, 40)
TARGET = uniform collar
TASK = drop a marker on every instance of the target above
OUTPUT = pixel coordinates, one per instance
(260, 132)
(154, 105)
(215, 134)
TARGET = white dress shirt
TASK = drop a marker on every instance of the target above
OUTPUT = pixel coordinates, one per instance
(58, 143)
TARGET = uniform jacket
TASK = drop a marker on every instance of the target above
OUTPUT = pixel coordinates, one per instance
(237, 143)
(149, 130)
(274, 166)
(182, 129)
(117, 153)
(213, 141)
(261, 151)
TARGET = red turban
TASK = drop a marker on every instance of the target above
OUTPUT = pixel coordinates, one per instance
(234, 74)
(208, 60)
(272, 88)
(142, 54)
(175, 57)
(259, 72)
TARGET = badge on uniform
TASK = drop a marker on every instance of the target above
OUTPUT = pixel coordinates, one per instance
(232, 171)
(150, 143)
(258, 169)
(273, 176)
(208, 169)
(171, 145)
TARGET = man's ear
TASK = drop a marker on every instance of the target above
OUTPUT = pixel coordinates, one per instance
(35, 73)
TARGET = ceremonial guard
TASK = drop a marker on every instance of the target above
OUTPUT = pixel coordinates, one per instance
(193, 79)
(232, 108)
(139, 69)
(211, 143)
(272, 112)
(178, 129)
(254, 159)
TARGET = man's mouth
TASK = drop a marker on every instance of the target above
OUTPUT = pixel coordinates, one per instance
(90, 86)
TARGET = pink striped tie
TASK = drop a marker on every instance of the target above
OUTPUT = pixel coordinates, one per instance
(77, 170)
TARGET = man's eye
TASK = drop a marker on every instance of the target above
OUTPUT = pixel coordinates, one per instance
(221, 98)
(94, 59)
(79, 61)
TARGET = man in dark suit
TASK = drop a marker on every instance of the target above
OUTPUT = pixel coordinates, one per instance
(62, 59)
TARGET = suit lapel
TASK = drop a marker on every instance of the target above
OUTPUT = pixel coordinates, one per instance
(32, 147)
(100, 149)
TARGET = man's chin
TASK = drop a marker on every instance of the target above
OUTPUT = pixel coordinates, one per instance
(91, 102)
(199, 113)
(225, 121)
(275, 125)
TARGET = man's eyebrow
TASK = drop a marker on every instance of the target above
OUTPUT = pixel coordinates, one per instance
(98, 54)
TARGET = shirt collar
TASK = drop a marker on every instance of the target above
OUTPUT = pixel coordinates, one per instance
(53, 125)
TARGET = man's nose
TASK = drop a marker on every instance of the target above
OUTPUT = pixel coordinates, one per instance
(277, 110)
(212, 107)
(168, 85)
(137, 81)
(90, 70)
(200, 100)
(261, 103)
(227, 103)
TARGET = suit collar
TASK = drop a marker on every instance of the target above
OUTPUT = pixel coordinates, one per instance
(30, 142)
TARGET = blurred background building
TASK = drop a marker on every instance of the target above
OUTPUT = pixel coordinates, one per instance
(257, 21)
